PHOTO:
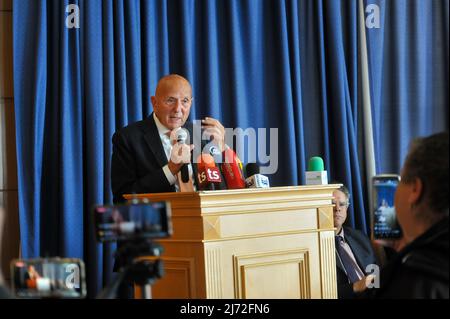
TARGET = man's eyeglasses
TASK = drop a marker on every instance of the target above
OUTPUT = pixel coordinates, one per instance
(340, 204)
(171, 101)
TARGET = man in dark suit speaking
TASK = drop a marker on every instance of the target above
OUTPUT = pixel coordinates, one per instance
(145, 157)
(353, 250)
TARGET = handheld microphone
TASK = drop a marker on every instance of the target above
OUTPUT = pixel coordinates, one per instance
(182, 135)
(254, 178)
(208, 174)
(231, 169)
(316, 174)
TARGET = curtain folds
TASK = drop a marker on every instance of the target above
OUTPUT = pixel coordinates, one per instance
(285, 64)
(408, 70)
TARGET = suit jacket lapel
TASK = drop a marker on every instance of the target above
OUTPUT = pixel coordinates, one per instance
(151, 136)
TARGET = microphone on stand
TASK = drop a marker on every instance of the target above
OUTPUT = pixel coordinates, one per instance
(217, 156)
(208, 174)
(254, 178)
(232, 170)
(316, 174)
(214, 151)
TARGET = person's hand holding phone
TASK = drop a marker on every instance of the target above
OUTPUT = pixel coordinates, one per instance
(395, 244)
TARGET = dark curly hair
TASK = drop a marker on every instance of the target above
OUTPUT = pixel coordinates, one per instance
(427, 160)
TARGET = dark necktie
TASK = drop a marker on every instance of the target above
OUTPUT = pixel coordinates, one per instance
(347, 261)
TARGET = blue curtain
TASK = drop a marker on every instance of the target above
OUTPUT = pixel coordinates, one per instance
(408, 70)
(290, 65)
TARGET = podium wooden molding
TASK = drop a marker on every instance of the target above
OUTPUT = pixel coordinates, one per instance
(250, 243)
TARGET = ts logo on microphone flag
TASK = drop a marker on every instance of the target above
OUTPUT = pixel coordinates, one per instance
(209, 175)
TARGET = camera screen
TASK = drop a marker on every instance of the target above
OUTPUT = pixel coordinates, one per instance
(385, 223)
(124, 222)
(48, 278)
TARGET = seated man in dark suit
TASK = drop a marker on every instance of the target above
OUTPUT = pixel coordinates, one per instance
(353, 250)
(142, 159)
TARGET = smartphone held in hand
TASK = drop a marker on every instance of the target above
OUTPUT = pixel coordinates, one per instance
(383, 217)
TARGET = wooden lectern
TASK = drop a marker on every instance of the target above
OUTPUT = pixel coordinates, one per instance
(276, 242)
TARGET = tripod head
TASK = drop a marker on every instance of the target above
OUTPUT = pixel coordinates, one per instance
(141, 271)
(135, 269)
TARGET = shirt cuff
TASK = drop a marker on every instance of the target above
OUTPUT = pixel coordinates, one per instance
(170, 177)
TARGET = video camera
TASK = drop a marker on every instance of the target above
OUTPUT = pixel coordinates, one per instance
(48, 278)
(133, 222)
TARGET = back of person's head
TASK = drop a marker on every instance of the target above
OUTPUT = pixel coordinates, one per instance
(428, 161)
